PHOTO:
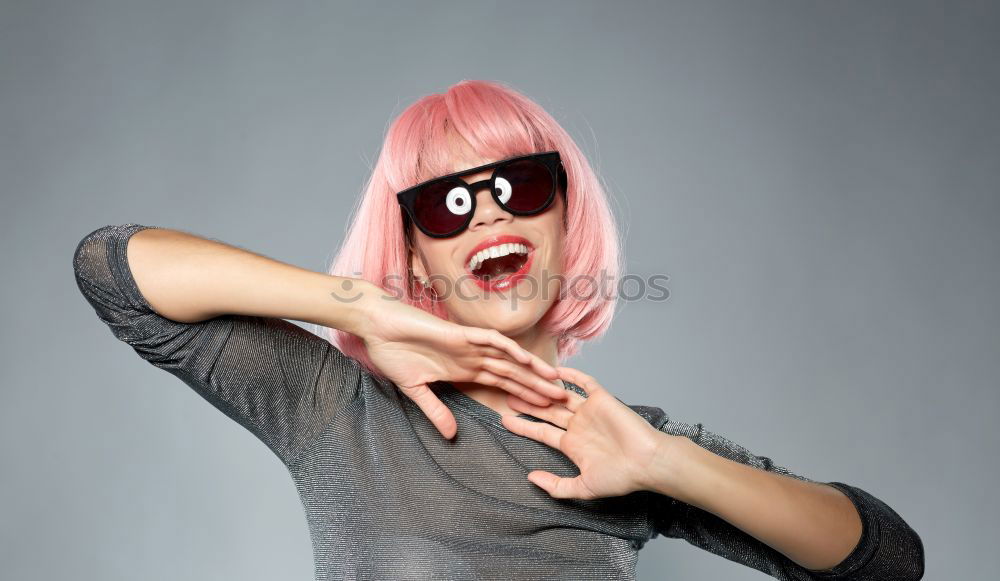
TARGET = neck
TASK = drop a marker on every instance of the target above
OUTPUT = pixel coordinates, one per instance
(540, 343)
(537, 342)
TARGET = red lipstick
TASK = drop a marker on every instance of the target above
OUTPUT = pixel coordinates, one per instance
(510, 280)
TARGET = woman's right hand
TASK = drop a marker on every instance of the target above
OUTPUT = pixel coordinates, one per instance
(413, 348)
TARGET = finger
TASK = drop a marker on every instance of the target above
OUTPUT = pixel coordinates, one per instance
(434, 409)
(510, 346)
(487, 377)
(497, 339)
(557, 414)
(573, 400)
(536, 364)
(545, 433)
(559, 487)
(588, 383)
(525, 377)
(541, 367)
(491, 351)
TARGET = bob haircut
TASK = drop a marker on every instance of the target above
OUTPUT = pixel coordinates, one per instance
(498, 123)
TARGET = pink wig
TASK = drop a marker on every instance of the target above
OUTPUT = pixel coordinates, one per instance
(497, 122)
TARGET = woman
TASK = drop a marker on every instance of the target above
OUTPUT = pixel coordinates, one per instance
(435, 436)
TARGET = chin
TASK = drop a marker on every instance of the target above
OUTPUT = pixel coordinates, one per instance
(512, 317)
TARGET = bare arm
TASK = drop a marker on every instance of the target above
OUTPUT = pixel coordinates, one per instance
(213, 314)
(190, 279)
(812, 523)
(276, 379)
(744, 499)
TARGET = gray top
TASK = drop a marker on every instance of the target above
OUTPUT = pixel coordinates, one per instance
(387, 497)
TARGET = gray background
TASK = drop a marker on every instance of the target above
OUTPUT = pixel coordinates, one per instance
(818, 179)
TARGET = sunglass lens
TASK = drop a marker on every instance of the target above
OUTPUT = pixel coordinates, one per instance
(524, 186)
(441, 207)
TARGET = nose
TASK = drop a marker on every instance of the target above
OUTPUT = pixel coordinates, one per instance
(488, 212)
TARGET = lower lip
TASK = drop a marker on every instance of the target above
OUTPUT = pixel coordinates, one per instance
(510, 280)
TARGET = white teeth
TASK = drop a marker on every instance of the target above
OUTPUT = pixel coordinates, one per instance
(496, 252)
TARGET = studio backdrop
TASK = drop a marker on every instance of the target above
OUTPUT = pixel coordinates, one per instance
(815, 181)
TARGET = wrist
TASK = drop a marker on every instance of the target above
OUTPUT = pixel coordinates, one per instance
(354, 300)
(670, 468)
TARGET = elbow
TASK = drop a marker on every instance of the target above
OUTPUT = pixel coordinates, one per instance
(903, 550)
(889, 548)
(87, 254)
(917, 558)
(903, 557)
(91, 248)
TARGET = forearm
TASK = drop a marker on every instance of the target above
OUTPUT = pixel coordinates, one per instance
(811, 523)
(189, 279)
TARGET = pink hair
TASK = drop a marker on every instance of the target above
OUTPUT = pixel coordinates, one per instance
(497, 122)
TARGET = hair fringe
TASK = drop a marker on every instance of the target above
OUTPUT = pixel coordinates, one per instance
(493, 121)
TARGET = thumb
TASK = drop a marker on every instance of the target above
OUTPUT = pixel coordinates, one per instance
(434, 409)
(558, 487)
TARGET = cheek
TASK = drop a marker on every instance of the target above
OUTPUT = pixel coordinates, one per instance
(439, 257)
(556, 235)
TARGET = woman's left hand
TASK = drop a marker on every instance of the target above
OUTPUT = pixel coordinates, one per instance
(610, 444)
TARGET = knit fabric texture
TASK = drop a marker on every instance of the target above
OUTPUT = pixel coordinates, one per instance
(387, 497)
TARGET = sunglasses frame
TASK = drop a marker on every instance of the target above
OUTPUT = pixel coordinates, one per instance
(549, 159)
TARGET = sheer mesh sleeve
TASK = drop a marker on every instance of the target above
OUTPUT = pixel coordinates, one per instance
(889, 550)
(274, 378)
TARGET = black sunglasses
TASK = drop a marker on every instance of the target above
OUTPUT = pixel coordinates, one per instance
(523, 185)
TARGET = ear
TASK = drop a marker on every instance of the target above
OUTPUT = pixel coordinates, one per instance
(417, 266)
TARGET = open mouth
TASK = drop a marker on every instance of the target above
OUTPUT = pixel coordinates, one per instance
(500, 262)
